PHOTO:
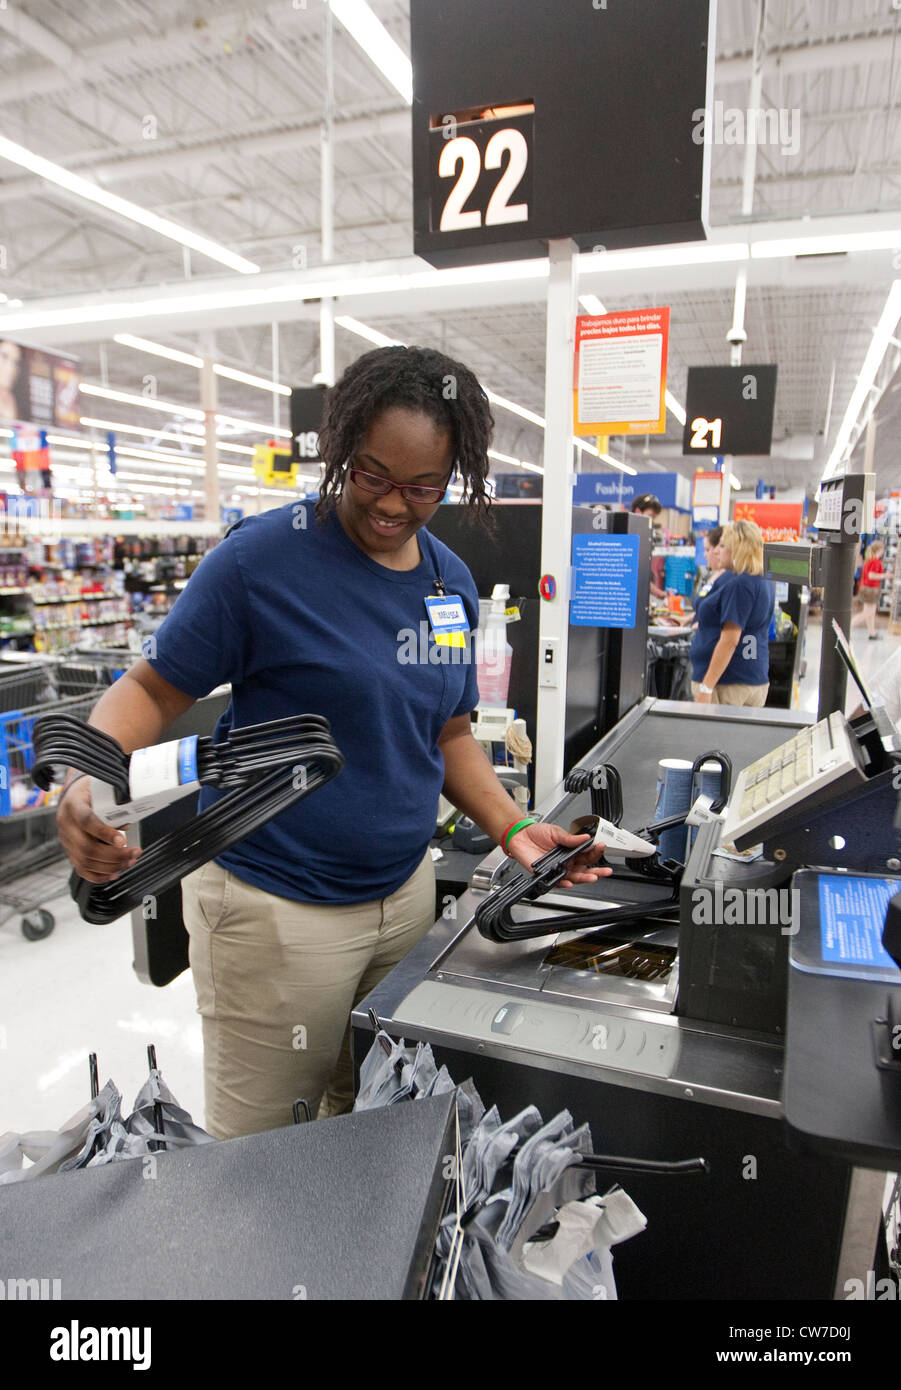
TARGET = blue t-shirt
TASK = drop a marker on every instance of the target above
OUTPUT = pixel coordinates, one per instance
(746, 599)
(300, 621)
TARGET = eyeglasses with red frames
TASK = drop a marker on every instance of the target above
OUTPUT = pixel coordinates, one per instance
(380, 487)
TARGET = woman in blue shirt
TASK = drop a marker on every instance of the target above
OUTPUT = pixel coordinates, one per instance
(323, 611)
(730, 652)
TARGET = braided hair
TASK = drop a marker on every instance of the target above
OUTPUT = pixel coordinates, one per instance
(415, 378)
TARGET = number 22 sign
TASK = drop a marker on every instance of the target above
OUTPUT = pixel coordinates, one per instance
(480, 174)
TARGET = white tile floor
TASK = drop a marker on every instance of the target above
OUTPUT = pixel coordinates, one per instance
(76, 992)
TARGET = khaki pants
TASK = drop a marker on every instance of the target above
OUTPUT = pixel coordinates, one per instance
(276, 981)
(735, 694)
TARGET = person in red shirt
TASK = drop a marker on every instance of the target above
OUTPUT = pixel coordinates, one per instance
(870, 586)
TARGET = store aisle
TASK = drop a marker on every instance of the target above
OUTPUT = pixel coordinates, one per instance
(871, 657)
(74, 993)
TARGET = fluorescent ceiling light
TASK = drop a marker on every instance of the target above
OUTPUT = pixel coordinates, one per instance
(533, 467)
(515, 409)
(171, 408)
(372, 36)
(276, 387)
(146, 402)
(235, 448)
(362, 330)
(674, 407)
(503, 458)
(158, 432)
(190, 359)
(735, 483)
(616, 463)
(882, 335)
(591, 304)
(886, 240)
(251, 426)
(83, 188)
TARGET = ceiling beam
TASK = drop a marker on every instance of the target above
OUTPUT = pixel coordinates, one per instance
(817, 56)
(151, 310)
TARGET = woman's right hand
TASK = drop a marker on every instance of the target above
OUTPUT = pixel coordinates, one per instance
(97, 851)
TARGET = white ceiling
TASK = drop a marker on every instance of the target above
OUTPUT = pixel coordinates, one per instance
(211, 116)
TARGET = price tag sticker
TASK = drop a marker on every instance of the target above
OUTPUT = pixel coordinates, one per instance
(448, 619)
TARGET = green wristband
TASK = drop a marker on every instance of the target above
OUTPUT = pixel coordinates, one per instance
(520, 825)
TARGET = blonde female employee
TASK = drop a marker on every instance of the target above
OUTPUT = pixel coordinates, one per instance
(310, 610)
(730, 652)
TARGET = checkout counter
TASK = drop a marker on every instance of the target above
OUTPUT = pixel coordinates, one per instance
(668, 1034)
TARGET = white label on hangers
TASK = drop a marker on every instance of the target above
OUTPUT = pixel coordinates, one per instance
(615, 839)
(163, 767)
(701, 812)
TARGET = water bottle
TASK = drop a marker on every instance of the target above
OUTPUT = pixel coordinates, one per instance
(494, 656)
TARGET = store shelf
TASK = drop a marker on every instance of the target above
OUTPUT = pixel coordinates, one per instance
(72, 598)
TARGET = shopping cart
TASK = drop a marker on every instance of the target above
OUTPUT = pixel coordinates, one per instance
(35, 872)
(84, 669)
(23, 685)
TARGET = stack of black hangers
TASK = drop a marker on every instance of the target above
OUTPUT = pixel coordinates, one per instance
(494, 917)
(263, 769)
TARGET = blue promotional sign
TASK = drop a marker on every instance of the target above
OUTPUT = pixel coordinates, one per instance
(231, 514)
(183, 511)
(605, 581)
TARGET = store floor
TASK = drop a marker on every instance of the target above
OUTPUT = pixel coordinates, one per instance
(76, 992)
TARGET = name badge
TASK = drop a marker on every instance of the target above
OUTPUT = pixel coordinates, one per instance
(448, 619)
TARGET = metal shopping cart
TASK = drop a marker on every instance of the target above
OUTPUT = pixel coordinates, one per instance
(25, 684)
(84, 669)
(35, 872)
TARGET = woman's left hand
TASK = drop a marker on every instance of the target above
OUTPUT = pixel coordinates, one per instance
(533, 841)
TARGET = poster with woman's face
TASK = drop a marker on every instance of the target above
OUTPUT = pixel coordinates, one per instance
(37, 387)
(14, 393)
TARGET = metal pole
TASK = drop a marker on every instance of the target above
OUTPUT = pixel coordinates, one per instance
(556, 515)
(208, 404)
(838, 583)
(276, 398)
(327, 211)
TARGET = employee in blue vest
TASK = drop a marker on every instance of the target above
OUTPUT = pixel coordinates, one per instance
(324, 610)
(730, 651)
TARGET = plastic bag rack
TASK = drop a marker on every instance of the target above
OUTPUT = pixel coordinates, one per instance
(263, 769)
